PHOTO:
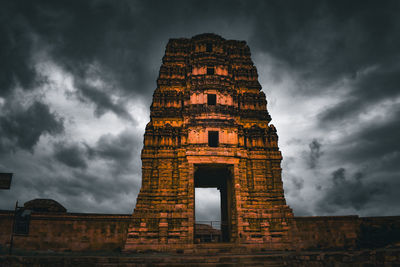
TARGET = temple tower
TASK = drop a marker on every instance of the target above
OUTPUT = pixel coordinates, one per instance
(209, 127)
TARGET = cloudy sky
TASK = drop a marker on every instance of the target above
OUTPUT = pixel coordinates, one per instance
(77, 77)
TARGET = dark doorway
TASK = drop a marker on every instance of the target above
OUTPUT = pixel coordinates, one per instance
(215, 176)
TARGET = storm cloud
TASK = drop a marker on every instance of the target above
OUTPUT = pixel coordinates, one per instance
(76, 81)
(22, 128)
(349, 192)
(71, 155)
(314, 154)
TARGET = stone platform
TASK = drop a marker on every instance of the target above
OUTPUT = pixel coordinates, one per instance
(379, 257)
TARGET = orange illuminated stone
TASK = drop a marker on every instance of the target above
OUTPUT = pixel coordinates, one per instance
(192, 142)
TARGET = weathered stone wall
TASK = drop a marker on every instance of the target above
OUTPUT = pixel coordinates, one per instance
(67, 232)
(376, 232)
(107, 232)
(327, 232)
(344, 232)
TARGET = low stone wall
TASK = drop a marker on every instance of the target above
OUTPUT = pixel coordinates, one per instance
(67, 232)
(327, 232)
(347, 232)
(377, 232)
(108, 232)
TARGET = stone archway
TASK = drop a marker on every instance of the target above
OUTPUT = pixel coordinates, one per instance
(218, 176)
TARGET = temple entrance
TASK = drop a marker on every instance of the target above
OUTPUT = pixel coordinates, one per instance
(214, 176)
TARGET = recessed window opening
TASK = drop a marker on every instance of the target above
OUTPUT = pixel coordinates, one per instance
(211, 99)
(209, 47)
(210, 71)
(213, 139)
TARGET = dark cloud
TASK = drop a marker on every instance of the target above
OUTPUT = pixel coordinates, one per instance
(380, 83)
(349, 192)
(126, 39)
(314, 154)
(16, 67)
(298, 183)
(120, 148)
(23, 127)
(79, 191)
(374, 144)
(81, 184)
(102, 100)
(323, 40)
(77, 36)
(113, 50)
(89, 185)
(327, 40)
(71, 155)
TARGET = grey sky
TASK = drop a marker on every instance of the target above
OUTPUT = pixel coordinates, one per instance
(77, 77)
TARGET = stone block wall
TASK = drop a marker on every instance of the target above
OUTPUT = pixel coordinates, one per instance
(327, 232)
(67, 232)
(108, 232)
(377, 232)
(347, 232)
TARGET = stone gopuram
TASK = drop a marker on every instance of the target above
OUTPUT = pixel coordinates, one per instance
(209, 127)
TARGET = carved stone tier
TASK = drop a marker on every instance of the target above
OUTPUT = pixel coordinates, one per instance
(209, 127)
